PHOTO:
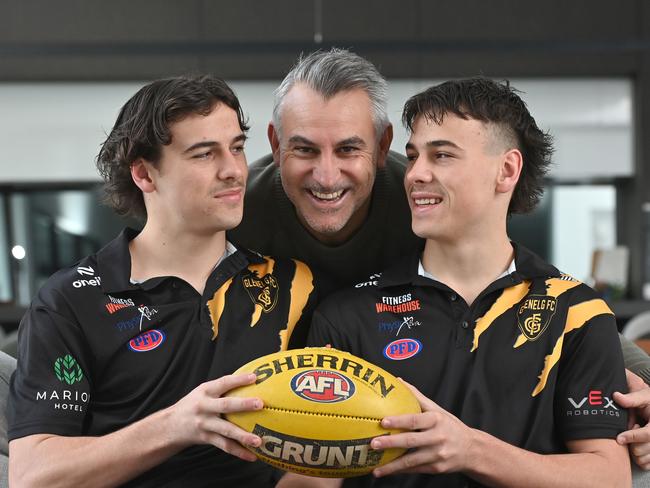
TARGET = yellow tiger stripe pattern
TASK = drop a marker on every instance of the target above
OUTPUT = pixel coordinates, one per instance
(577, 316)
(301, 287)
(554, 288)
(508, 299)
(216, 306)
(261, 270)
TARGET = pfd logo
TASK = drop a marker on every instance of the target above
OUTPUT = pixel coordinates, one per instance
(534, 315)
(322, 386)
(147, 341)
(402, 349)
(262, 291)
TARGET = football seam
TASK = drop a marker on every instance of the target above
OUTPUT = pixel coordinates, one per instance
(321, 414)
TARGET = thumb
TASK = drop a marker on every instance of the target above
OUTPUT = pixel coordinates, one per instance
(634, 435)
(639, 398)
(426, 404)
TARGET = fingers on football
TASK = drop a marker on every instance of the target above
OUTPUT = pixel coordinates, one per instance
(234, 404)
(412, 421)
(226, 383)
(425, 403)
(232, 447)
(216, 427)
(413, 462)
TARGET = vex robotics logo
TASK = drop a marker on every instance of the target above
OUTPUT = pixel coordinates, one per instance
(67, 370)
(322, 386)
(595, 403)
(535, 314)
(262, 291)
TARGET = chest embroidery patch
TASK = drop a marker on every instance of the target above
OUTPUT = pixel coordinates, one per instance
(262, 291)
(534, 315)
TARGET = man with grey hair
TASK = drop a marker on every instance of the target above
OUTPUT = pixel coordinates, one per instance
(331, 192)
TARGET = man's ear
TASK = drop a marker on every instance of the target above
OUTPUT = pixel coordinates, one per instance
(274, 140)
(509, 171)
(384, 145)
(141, 173)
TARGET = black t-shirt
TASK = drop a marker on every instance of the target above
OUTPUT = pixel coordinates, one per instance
(533, 361)
(97, 353)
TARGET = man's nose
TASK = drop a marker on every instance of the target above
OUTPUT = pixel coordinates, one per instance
(327, 171)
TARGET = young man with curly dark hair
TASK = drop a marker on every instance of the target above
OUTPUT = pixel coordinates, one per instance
(125, 358)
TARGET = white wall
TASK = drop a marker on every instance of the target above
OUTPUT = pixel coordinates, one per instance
(52, 131)
(583, 220)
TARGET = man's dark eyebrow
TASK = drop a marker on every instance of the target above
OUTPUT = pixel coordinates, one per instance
(441, 143)
(200, 145)
(240, 138)
(300, 140)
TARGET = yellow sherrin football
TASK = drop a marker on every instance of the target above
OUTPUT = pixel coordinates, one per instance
(321, 409)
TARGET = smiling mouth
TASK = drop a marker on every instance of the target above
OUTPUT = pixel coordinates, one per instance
(327, 197)
(427, 201)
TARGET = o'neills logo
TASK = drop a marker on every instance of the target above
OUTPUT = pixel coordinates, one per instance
(282, 449)
(534, 315)
(263, 291)
(372, 378)
(398, 304)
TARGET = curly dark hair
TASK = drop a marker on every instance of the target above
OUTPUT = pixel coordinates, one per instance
(142, 128)
(497, 103)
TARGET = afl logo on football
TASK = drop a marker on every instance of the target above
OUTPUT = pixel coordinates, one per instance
(402, 349)
(147, 341)
(322, 386)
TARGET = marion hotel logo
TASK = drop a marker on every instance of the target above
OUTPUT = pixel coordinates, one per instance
(69, 373)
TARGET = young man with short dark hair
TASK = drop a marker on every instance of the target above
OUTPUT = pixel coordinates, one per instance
(514, 363)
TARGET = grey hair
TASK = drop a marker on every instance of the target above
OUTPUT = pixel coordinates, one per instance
(332, 72)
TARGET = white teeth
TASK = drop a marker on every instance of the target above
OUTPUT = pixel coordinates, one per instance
(327, 196)
(427, 201)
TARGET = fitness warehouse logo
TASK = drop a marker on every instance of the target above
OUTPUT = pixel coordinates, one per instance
(535, 314)
(398, 304)
(68, 372)
(90, 272)
(592, 404)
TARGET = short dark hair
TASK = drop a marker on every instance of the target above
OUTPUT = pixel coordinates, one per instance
(142, 128)
(497, 103)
